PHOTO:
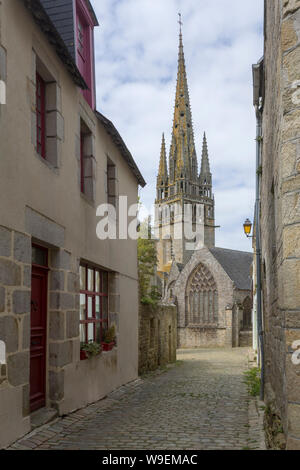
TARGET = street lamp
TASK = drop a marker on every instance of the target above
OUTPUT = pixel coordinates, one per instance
(248, 228)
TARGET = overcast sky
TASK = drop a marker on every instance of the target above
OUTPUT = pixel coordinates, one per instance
(136, 48)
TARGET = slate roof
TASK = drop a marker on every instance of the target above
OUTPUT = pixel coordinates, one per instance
(119, 142)
(42, 18)
(61, 13)
(236, 264)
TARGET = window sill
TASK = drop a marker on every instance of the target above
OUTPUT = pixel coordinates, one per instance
(98, 356)
(51, 167)
(89, 201)
(114, 349)
(206, 326)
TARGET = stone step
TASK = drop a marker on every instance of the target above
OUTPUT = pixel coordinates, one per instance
(42, 416)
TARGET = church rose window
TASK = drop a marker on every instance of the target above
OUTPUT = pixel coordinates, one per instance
(202, 296)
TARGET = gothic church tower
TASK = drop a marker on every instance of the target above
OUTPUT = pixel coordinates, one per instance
(181, 185)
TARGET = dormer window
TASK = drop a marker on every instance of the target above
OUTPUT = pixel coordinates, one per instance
(85, 49)
(80, 31)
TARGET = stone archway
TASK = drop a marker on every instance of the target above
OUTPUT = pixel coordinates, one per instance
(201, 298)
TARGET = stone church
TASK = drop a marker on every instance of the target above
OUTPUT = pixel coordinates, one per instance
(210, 286)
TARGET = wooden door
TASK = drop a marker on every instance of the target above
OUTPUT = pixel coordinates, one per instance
(38, 338)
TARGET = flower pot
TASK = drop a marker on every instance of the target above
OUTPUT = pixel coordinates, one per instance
(107, 346)
(83, 355)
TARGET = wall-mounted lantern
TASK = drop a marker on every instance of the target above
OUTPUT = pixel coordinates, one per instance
(248, 228)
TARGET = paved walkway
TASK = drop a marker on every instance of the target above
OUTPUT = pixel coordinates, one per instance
(201, 403)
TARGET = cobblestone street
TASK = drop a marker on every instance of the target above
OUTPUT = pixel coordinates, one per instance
(201, 403)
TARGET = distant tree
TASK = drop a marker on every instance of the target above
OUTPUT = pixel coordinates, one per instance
(147, 262)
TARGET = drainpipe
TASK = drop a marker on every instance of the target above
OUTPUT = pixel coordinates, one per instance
(258, 249)
(257, 81)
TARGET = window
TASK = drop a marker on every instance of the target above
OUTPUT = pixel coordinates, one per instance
(111, 183)
(93, 304)
(40, 116)
(84, 47)
(39, 256)
(202, 294)
(80, 32)
(87, 162)
(47, 122)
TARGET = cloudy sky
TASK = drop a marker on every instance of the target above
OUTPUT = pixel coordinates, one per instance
(136, 67)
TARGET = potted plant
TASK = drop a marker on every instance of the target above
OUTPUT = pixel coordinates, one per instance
(88, 350)
(109, 339)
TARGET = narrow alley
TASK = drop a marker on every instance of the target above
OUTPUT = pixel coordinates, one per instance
(201, 403)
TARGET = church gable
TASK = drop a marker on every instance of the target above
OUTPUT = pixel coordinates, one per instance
(203, 271)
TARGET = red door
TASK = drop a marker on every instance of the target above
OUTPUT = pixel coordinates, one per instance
(38, 338)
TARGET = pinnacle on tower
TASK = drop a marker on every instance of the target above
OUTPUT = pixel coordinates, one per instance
(163, 169)
(205, 177)
(205, 168)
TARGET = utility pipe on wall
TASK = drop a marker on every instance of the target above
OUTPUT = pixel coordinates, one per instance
(257, 82)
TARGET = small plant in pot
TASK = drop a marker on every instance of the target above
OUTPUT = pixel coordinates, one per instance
(109, 339)
(88, 350)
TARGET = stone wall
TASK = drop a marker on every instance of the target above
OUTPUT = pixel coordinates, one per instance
(63, 320)
(157, 336)
(280, 221)
(205, 337)
(15, 282)
(42, 203)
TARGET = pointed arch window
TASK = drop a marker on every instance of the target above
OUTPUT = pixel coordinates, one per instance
(202, 295)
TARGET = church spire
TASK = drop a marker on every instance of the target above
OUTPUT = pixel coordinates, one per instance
(183, 158)
(205, 168)
(162, 177)
(205, 177)
(163, 169)
(180, 185)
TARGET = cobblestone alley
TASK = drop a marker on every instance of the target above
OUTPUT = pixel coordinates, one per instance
(201, 403)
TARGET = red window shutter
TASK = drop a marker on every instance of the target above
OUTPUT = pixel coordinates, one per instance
(40, 116)
(85, 55)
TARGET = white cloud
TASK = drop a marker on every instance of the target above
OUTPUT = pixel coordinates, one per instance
(136, 67)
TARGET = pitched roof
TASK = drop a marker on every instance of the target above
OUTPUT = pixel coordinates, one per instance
(119, 142)
(236, 264)
(43, 20)
(61, 13)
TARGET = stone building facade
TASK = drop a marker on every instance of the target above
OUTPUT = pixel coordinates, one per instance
(157, 336)
(211, 286)
(60, 285)
(277, 101)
